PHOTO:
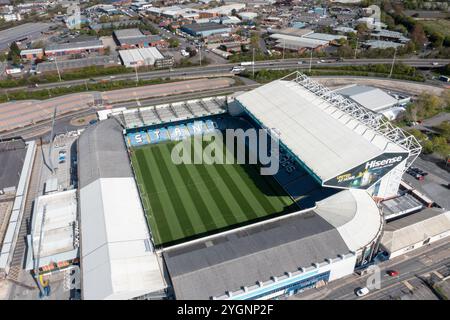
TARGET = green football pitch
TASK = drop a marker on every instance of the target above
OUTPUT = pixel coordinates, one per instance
(186, 201)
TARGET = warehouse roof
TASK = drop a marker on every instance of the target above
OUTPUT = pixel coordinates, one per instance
(300, 41)
(128, 33)
(324, 36)
(147, 56)
(418, 227)
(53, 229)
(200, 27)
(380, 44)
(332, 141)
(226, 262)
(293, 32)
(91, 44)
(369, 97)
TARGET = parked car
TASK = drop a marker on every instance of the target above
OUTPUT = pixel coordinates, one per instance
(362, 292)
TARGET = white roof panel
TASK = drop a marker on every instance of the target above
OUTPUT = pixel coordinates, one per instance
(116, 260)
(312, 128)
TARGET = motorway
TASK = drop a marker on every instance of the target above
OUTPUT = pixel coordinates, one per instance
(214, 70)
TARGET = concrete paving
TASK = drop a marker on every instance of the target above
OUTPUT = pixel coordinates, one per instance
(18, 114)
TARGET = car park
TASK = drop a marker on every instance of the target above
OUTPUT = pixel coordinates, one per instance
(416, 173)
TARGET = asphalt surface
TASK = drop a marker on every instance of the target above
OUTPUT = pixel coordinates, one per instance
(18, 114)
(62, 123)
(435, 183)
(411, 267)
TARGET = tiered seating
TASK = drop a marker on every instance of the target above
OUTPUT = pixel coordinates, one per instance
(165, 113)
(213, 106)
(197, 109)
(181, 111)
(149, 116)
(132, 119)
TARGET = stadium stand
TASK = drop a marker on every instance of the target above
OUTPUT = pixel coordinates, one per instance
(153, 115)
(117, 257)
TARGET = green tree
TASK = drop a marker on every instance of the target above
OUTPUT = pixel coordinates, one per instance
(14, 53)
(174, 42)
(444, 129)
(441, 147)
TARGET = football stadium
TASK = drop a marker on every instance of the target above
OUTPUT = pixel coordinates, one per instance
(154, 228)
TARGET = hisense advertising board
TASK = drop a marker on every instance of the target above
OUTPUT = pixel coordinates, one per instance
(366, 174)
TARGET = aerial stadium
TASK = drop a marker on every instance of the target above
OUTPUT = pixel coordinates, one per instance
(152, 228)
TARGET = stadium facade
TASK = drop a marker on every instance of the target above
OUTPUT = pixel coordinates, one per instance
(345, 158)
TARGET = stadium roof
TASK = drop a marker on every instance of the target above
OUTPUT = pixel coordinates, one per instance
(102, 154)
(371, 98)
(326, 139)
(118, 261)
(211, 266)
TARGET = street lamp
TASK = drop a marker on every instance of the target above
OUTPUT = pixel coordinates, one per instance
(393, 62)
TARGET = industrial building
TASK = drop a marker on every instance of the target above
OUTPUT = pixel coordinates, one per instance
(382, 44)
(301, 39)
(375, 99)
(205, 29)
(17, 210)
(63, 49)
(32, 54)
(415, 231)
(134, 38)
(347, 158)
(145, 57)
(54, 238)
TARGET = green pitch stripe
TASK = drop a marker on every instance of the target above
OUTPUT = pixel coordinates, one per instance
(239, 190)
(198, 191)
(173, 193)
(156, 216)
(195, 208)
(220, 194)
(207, 189)
(273, 193)
(258, 201)
(234, 194)
(168, 210)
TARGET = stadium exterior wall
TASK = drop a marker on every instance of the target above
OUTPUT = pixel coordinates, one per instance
(292, 283)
